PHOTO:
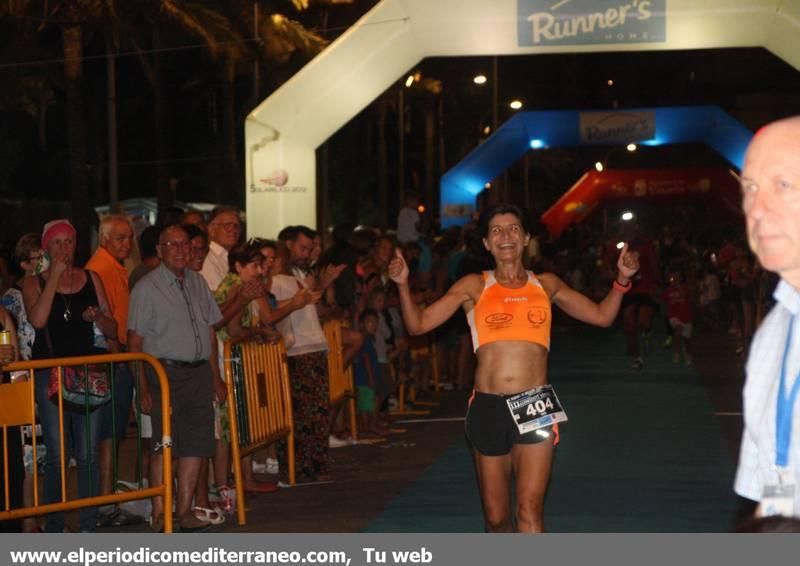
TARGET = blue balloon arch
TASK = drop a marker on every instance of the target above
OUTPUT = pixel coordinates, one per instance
(538, 130)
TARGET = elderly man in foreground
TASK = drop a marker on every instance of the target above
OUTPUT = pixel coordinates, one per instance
(769, 462)
(172, 316)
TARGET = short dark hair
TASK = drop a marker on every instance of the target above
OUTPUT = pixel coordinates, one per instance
(148, 241)
(290, 233)
(243, 254)
(222, 210)
(194, 231)
(262, 243)
(25, 245)
(504, 209)
(341, 233)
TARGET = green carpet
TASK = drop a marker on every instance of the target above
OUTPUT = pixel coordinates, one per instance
(642, 452)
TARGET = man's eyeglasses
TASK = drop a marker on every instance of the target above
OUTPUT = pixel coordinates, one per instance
(173, 245)
(229, 226)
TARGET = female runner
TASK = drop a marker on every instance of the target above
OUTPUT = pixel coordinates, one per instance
(511, 421)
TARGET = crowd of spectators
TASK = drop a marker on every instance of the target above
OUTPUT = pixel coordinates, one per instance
(199, 283)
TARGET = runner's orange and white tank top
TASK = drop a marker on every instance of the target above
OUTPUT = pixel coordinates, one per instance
(510, 314)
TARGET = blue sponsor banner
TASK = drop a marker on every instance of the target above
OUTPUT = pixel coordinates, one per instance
(590, 22)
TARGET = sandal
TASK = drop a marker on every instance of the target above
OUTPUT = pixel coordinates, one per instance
(213, 516)
(191, 523)
(223, 497)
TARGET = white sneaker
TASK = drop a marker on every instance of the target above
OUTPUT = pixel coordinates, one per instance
(272, 466)
(259, 468)
(336, 442)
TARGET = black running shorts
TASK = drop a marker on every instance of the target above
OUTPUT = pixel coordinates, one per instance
(491, 429)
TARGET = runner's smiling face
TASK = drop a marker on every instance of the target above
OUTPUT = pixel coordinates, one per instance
(505, 237)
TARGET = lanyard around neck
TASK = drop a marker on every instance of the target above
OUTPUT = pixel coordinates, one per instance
(784, 413)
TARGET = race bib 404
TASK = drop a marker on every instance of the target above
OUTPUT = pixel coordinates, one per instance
(536, 408)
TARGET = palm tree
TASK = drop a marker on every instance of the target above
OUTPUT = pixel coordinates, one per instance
(235, 35)
(73, 18)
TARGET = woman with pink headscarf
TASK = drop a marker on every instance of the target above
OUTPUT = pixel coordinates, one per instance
(65, 303)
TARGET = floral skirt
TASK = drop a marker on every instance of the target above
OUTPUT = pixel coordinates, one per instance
(308, 376)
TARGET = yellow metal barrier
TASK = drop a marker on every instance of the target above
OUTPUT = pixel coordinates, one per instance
(342, 388)
(423, 356)
(17, 407)
(259, 406)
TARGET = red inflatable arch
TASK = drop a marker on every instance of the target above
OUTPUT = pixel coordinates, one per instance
(664, 184)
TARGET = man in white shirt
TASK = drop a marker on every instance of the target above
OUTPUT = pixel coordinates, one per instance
(224, 230)
(769, 461)
(307, 360)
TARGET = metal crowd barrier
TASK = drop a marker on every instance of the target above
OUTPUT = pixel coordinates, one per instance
(17, 408)
(342, 388)
(259, 405)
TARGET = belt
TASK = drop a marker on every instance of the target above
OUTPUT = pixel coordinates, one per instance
(182, 364)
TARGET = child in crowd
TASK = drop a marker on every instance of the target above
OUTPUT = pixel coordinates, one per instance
(367, 370)
(679, 313)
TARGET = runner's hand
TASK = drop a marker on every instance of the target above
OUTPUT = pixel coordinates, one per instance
(398, 270)
(627, 264)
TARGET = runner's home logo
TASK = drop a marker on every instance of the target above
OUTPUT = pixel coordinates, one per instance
(622, 126)
(537, 316)
(590, 22)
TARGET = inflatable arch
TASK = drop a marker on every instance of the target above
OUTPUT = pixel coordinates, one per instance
(630, 186)
(283, 132)
(537, 130)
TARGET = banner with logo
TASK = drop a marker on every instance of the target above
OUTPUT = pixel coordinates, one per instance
(617, 126)
(281, 183)
(590, 22)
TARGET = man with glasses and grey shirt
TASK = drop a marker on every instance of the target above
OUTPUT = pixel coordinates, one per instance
(171, 317)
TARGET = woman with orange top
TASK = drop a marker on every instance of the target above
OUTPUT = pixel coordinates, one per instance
(513, 413)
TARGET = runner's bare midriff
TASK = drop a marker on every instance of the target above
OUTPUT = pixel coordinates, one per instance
(509, 367)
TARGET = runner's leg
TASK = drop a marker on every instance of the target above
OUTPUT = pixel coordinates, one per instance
(494, 483)
(531, 464)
